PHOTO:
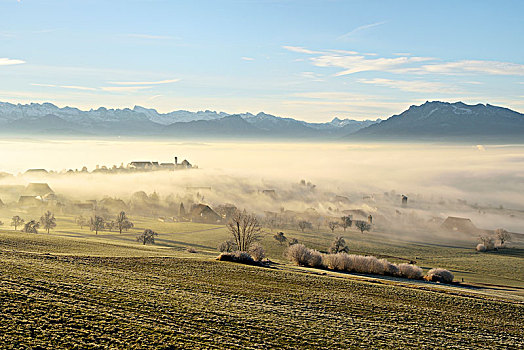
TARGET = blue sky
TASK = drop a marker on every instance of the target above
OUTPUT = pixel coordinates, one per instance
(311, 60)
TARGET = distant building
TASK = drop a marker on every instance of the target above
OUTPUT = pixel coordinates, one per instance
(36, 171)
(143, 165)
(38, 189)
(184, 165)
(204, 214)
(29, 202)
(463, 225)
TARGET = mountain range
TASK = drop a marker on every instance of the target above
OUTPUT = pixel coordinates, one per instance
(431, 120)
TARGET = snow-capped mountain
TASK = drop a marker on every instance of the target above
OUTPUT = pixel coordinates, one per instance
(47, 118)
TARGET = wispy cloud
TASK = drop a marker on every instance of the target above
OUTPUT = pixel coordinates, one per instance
(301, 50)
(72, 87)
(359, 29)
(10, 61)
(350, 62)
(76, 87)
(412, 85)
(313, 76)
(168, 81)
(43, 85)
(124, 88)
(474, 66)
(247, 58)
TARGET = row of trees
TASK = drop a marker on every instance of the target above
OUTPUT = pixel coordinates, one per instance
(245, 231)
(98, 223)
(47, 222)
(490, 242)
(344, 222)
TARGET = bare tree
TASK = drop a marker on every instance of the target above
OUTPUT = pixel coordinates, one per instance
(48, 221)
(17, 221)
(363, 226)
(346, 222)
(31, 227)
(110, 225)
(97, 224)
(147, 237)
(122, 222)
(339, 246)
(487, 241)
(280, 238)
(245, 230)
(81, 221)
(332, 225)
(303, 225)
(502, 235)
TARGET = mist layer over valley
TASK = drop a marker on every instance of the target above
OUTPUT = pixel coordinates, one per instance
(482, 183)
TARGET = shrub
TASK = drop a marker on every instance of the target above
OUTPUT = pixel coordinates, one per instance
(339, 262)
(239, 257)
(481, 247)
(257, 252)
(314, 258)
(298, 254)
(410, 271)
(439, 275)
(488, 242)
(389, 269)
(301, 255)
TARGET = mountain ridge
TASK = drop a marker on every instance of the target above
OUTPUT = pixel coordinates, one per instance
(431, 120)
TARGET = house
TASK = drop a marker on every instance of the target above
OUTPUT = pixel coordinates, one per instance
(168, 166)
(38, 189)
(29, 201)
(36, 171)
(457, 224)
(204, 214)
(184, 165)
(141, 165)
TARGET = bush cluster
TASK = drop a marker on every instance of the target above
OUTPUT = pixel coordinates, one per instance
(299, 254)
(439, 275)
(237, 256)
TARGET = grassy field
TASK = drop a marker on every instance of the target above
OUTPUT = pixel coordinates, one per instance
(74, 289)
(504, 267)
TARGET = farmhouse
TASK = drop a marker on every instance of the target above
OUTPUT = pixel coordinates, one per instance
(464, 225)
(38, 189)
(29, 202)
(36, 171)
(204, 214)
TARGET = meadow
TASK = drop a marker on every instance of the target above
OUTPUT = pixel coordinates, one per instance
(74, 289)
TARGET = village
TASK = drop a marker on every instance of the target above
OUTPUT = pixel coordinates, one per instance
(38, 197)
(132, 167)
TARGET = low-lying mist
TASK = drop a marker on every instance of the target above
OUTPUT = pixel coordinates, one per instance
(483, 183)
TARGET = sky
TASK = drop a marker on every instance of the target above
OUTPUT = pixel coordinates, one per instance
(310, 60)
